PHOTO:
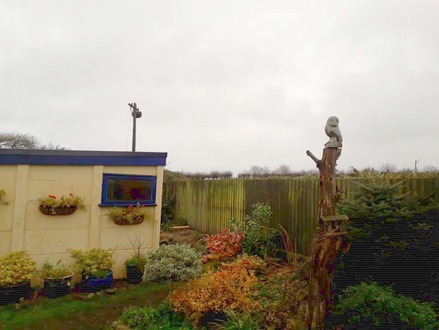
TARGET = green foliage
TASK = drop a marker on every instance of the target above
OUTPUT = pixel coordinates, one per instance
(368, 300)
(374, 200)
(258, 239)
(57, 271)
(16, 268)
(161, 317)
(130, 213)
(94, 262)
(178, 262)
(168, 206)
(401, 245)
(97, 313)
(138, 254)
(52, 203)
(282, 298)
(239, 321)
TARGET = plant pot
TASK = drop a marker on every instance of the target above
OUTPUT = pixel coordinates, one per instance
(95, 284)
(57, 287)
(134, 276)
(9, 295)
(57, 210)
(122, 221)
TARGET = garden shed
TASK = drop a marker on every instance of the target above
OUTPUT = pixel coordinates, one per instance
(103, 179)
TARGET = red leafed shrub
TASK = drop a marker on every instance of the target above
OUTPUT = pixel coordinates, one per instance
(225, 244)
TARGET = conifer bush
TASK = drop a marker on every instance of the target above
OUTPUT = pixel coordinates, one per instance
(376, 199)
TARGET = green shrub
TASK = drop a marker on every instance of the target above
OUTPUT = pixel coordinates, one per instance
(258, 239)
(376, 199)
(179, 262)
(369, 300)
(161, 317)
(238, 321)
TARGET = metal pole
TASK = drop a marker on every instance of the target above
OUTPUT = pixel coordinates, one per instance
(136, 114)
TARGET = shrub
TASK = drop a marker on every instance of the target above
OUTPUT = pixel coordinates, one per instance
(258, 239)
(239, 321)
(376, 199)
(161, 317)
(226, 244)
(370, 301)
(228, 289)
(94, 262)
(178, 262)
(282, 299)
(16, 268)
(246, 262)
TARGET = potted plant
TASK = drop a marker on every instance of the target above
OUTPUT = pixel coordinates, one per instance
(135, 265)
(131, 215)
(57, 279)
(16, 271)
(64, 205)
(95, 268)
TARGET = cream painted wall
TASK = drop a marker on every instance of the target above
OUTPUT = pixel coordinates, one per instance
(24, 227)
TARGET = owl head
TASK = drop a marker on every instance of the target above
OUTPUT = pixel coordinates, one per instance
(332, 121)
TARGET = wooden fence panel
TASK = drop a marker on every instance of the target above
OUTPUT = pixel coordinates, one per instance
(209, 205)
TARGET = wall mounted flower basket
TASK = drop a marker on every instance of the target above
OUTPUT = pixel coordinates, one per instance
(122, 221)
(60, 210)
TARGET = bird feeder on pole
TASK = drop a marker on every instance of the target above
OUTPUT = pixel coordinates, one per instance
(136, 114)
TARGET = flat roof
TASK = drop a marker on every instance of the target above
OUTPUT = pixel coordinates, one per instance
(80, 157)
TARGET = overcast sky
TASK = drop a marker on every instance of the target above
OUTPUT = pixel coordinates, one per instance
(225, 85)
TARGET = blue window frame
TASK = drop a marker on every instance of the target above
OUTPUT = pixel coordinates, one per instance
(123, 190)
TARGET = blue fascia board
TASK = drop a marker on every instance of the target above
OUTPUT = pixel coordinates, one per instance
(73, 157)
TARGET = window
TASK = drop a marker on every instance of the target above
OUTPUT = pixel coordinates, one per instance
(123, 190)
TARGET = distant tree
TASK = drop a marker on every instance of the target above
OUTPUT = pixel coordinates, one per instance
(388, 168)
(24, 141)
(18, 141)
(259, 171)
(283, 170)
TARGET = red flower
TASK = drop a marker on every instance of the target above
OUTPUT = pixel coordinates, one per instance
(51, 196)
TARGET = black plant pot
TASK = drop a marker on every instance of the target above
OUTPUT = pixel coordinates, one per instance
(134, 276)
(54, 288)
(14, 294)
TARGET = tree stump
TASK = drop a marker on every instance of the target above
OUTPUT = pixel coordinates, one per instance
(328, 239)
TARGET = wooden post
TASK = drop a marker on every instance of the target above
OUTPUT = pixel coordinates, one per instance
(328, 239)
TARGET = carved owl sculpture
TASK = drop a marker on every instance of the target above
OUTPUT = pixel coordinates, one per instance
(333, 131)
